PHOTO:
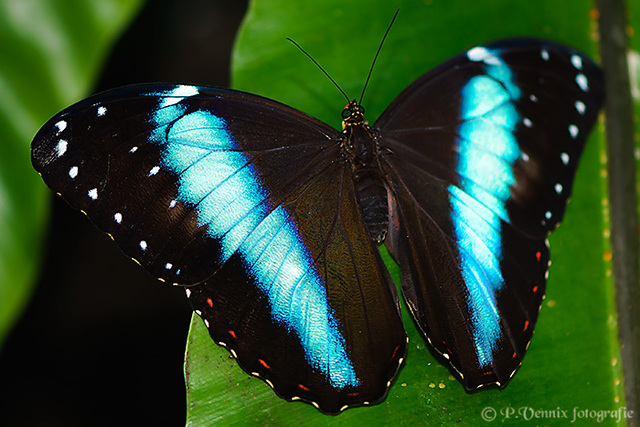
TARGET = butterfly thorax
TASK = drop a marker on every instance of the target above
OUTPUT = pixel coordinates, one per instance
(359, 139)
(361, 150)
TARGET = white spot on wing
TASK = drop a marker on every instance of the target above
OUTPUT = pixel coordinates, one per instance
(172, 204)
(527, 122)
(547, 214)
(61, 125)
(73, 172)
(168, 266)
(143, 245)
(480, 53)
(133, 149)
(102, 111)
(558, 188)
(93, 193)
(477, 54)
(533, 98)
(576, 61)
(525, 157)
(184, 90)
(580, 107)
(565, 158)
(573, 131)
(545, 54)
(154, 170)
(582, 81)
(178, 94)
(61, 148)
(188, 292)
(118, 217)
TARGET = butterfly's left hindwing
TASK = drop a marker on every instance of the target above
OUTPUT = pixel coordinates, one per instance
(248, 203)
(359, 351)
(480, 155)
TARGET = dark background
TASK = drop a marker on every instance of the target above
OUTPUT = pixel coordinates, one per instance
(102, 342)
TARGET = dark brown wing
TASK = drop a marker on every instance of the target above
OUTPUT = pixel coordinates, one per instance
(249, 204)
(480, 154)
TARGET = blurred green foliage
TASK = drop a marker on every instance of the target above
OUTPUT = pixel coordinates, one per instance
(50, 56)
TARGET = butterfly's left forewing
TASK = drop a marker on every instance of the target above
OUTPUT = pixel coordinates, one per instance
(480, 155)
(249, 204)
(152, 165)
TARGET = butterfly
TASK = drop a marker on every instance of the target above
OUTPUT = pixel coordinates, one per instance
(271, 219)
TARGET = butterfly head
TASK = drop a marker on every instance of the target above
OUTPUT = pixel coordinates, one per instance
(352, 114)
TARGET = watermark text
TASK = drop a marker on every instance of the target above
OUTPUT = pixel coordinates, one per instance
(575, 414)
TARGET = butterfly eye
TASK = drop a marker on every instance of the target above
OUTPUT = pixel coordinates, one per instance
(346, 113)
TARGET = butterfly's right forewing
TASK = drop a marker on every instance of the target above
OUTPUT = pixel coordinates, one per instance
(480, 155)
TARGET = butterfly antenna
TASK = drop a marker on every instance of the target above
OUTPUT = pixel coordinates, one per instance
(376, 57)
(321, 69)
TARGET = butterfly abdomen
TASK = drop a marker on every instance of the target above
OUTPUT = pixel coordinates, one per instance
(362, 152)
(372, 200)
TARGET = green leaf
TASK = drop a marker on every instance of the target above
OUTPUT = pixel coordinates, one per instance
(573, 362)
(50, 55)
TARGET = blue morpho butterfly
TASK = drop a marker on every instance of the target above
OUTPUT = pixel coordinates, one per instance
(271, 219)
